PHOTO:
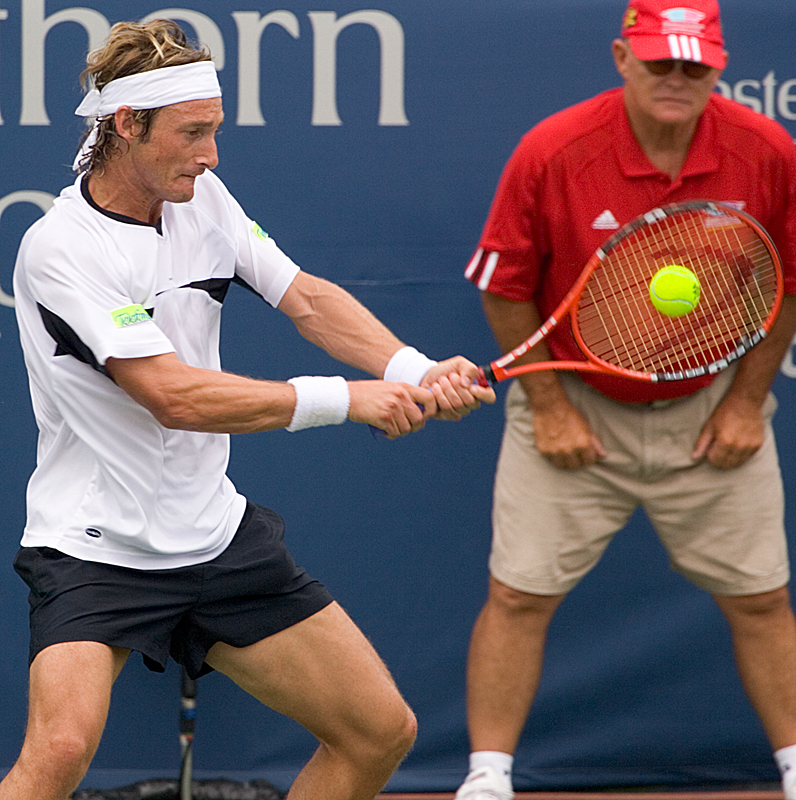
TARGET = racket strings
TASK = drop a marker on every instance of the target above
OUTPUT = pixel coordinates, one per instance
(616, 321)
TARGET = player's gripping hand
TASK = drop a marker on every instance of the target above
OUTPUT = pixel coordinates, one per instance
(395, 408)
(455, 388)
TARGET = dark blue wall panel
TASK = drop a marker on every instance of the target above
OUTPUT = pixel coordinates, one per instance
(640, 685)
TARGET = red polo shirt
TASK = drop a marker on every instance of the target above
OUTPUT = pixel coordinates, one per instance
(580, 174)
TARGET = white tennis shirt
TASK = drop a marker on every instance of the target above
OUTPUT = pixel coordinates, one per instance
(112, 484)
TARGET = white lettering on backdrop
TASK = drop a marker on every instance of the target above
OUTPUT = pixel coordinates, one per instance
(325, 25)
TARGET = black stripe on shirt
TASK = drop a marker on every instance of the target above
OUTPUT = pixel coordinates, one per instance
(67, 342)
(217, 288)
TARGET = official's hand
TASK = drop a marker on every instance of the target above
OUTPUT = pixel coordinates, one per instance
(395, 408)
(733, 433)
(455, 388)
(564, 437)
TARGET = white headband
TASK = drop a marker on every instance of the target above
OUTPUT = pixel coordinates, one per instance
(152, 89)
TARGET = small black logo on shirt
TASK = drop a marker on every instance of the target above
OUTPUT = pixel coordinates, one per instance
(93, 533)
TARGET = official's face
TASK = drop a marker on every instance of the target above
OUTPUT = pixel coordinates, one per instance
(673, 98)
(180, 147)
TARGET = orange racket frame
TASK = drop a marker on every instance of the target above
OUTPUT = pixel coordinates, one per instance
(618, 329)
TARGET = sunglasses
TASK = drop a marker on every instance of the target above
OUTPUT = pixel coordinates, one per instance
(691, 69)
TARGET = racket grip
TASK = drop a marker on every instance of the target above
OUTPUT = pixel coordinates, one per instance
(486, 377)
(378, 433)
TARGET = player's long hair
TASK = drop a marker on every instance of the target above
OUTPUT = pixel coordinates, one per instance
(131, 48)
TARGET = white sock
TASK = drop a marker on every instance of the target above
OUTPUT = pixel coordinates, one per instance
(786, 761)
(502, 762)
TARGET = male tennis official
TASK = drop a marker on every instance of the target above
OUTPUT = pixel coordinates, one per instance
(136, 539)
(579, 453)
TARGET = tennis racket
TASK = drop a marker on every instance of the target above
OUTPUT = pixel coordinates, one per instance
(618, 329)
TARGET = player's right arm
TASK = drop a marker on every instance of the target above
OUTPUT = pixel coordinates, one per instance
(563, 436)
(183, 397)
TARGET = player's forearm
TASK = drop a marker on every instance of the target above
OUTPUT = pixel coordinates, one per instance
(187, 398)
(759, 367)
(331, 318)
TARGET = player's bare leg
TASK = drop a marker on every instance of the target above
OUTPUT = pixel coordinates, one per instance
(764, 637)
(323, 673)
(70, 689)
(505, 664)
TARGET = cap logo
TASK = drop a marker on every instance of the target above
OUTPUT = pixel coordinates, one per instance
(631, 18)
(682, 20)
(684, 47)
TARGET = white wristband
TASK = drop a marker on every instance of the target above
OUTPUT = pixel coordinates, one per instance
(408, 366)
(319, 401)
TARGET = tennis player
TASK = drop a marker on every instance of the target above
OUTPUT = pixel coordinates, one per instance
(579, 453)
(135, 537)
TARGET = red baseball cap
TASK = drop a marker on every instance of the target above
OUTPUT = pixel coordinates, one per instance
(689, 30)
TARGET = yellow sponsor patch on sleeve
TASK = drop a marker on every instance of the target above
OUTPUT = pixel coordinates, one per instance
(129, 315)
(259, 232)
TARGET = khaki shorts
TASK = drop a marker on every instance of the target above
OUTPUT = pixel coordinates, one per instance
(723, 529)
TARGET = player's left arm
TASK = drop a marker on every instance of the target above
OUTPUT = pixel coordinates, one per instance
(331, 318)
(735, 430)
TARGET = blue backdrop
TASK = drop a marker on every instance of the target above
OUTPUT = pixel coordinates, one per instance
(368, 142)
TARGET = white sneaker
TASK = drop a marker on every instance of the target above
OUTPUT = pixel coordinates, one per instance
(485, 783)
(790, 791)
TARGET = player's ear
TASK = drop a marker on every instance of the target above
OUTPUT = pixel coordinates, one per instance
(126, 125)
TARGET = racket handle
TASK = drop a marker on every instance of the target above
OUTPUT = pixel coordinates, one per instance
(486, 377)
(378, 433)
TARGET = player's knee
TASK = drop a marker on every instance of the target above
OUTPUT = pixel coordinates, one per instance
(63, 755)
(73, 751)
(397, 731)
(407, 733)
(388, 738)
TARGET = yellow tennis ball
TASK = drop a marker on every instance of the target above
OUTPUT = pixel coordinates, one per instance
(674, 290)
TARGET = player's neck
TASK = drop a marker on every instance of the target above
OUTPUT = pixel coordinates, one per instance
(114, 191)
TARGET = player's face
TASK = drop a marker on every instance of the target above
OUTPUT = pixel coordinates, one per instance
(673, 98)
(180, 147)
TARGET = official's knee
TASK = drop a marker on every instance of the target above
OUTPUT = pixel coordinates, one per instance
(756, 609)
(512, 602)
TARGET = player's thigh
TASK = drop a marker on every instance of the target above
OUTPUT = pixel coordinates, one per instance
(69, 695)
(323, 673)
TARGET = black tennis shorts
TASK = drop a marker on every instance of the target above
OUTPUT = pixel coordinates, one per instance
(252, 590)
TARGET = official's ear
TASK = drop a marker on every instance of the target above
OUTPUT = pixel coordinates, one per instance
(620, 49)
